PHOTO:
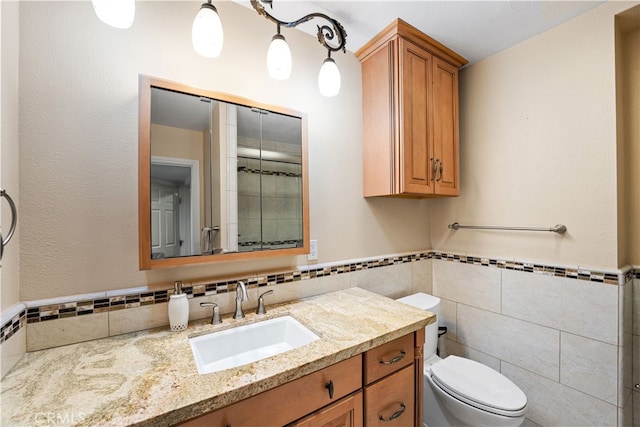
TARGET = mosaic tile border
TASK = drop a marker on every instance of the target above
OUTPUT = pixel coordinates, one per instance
(12, 326)
(120, 302)
(550, 270)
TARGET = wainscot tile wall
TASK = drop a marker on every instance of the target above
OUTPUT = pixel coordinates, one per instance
(566, 343)
(566, 335)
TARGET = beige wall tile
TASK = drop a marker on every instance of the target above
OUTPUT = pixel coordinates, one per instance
(393, 281)
(528, 423)
(469, 284)
(529, 346)
(636, 361)
(447, 317)
(423, 276)
(138, 319)
(54, 333)
(306, 288)
(636, 306)
(12, 350)
(448, 347)
(636, 408)
(625, 368)
(583, 308)
(589, 366)
(553, 404)
(626, 309)
(625, 413)
(226, 302)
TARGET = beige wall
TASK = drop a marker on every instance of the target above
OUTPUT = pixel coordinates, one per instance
(190, 147)
(628, 97)
(10, 351)
(538, 148)
(78, 142)
(9, 273)
(164, 142)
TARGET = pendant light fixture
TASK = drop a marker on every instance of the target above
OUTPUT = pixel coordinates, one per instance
(279, 58)
(206, 33)
(329, 77)
(117, 13)
(207, 37)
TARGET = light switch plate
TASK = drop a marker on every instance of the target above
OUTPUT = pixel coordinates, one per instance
(313, 250)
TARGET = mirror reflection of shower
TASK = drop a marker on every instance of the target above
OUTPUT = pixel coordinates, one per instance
(224, 177)
(269, 180)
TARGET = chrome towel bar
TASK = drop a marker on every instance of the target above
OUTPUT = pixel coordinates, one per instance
(559, 228)
(14, 220)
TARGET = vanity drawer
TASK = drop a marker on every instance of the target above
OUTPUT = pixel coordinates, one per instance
(388, 358)
(392, 399)
(290, 401)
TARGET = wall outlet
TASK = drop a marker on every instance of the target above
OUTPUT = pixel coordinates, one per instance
(313, 250)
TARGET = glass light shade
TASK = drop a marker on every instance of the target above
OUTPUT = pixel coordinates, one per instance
(329, 78)
(117, 13)
(279, 58)
(206, 34)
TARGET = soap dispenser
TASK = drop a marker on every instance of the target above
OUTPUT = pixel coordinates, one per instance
(178, 309)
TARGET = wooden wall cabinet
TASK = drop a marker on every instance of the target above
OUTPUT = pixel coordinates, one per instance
(380, 382)
(410, 114)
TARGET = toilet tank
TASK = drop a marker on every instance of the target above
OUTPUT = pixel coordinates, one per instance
(429, 303)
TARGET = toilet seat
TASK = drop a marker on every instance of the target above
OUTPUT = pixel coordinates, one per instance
(479, 386)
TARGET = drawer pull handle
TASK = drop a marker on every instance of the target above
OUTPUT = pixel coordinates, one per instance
(329, 386)
(395, 414)
(394, 360)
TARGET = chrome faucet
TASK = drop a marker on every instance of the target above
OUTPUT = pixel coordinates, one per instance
(215, 316)
(241, 295)
(261, 309)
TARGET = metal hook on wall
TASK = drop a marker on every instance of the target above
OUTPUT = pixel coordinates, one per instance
(14, 220)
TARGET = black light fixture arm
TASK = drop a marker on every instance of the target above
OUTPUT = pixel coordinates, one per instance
(326, 33)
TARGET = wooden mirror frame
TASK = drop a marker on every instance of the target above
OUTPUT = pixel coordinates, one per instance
(144, 179)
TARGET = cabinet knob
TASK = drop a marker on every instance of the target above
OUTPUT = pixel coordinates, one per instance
(394, 360)
(394, 415)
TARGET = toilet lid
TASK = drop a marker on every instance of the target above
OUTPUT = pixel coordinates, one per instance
(476, 383)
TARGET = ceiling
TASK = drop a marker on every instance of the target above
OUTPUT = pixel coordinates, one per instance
(473, 29)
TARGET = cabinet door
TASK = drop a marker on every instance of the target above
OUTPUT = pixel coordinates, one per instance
(378, 121)
(390, 401)
(290, 401)
(415, 118)
(445, 127)
(345, 413)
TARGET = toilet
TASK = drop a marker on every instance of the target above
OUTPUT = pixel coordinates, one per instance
(462, 392)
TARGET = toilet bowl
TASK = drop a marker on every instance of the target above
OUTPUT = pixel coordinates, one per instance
(462, 392)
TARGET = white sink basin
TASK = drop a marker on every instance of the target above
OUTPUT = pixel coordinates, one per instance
(249, 343)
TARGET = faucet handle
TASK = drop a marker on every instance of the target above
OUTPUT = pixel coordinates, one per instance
(215, 317)
(244, 295)
(261, 309)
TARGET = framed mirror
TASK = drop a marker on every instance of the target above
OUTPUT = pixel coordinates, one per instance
(221, 178)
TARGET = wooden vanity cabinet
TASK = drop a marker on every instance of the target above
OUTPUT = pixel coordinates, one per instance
(410, 114)
(393, 384)
(389, 372)
(291, 401)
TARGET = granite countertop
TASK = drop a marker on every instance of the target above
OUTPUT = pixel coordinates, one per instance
(150, 377)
